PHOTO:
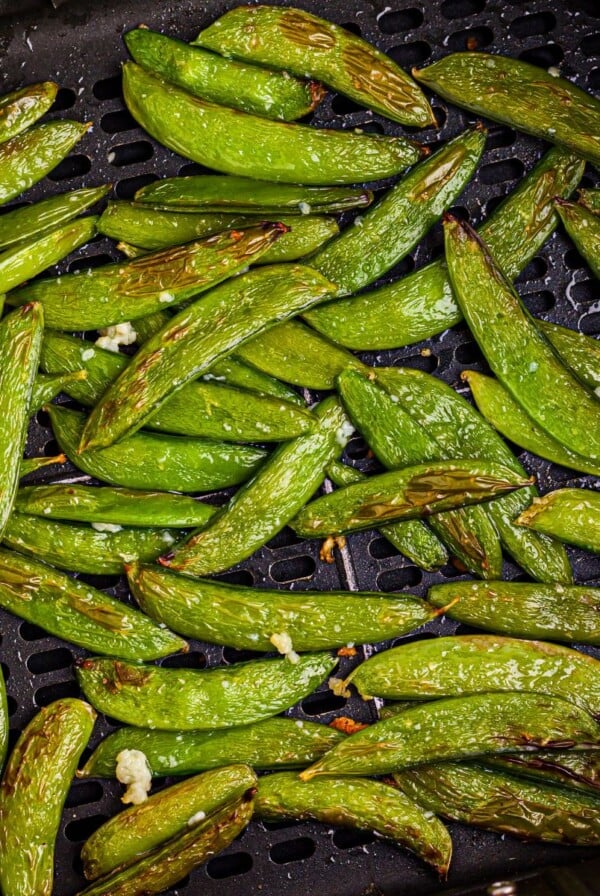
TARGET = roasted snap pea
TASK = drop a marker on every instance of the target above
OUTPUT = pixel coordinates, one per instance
(33, 464)
(77, 612)
(46, 387)
(272, 743)
(557, 612)
(579, 352)
(200, 700)
(521, 95)
(569, 514)
(4, 723)
(357, 803)
(270, 499)
(575, 769)
(31, 221)
(583, 226)
(87, 300)
(156, 461)
(590, 198)
(497, 801)
(19, 109)
(459, 728)
(246, 87)
(33, 790)
(238, 143)
(309, 46)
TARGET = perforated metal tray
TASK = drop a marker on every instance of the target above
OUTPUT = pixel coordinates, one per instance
(80, 46)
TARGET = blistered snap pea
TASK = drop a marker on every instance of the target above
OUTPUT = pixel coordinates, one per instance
(32, 220)
(21, 108)
(569, 514)
(583, 226)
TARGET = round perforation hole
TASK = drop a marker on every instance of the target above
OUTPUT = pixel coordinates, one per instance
(49, 660)
(130, 153)
(584, 294)
(549, 54)
(79, 830)
(115, 122)
(590, 45)
(128, 187)
(65, 99)
(407, 55)
(56, 691)
(292, 568)
(107, 88)
(323, 702)
(470, 39)
(231, 865)
(295, 850)
(70, 168)
(382, 549)
(501, 172)
(539, 302)
(237, 577)
(342, 105)
(84, 792)
(399, 579)
(460, 9)
(348, 838)
(528, 25)
(398, 21)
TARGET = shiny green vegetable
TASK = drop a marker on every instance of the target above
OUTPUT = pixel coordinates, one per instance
(569, 514)
(575, 769)
(583, 227)
(31, 221)
(579, 352)
(46, 387)
(19, 109)
(590, 198)
(4, 723)
(33, 790)
(33, 464)
(190, 700)
(238, 143)
(309, 46)
(357, 803)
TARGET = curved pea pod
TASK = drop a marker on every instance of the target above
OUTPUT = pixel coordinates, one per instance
(569, 514)
(411, 493)
(507, 416)
(153, 228)
(156, 461)
(246, 87)
(272, 743)
(123, 291)
(590, 199)
(574, 769)
(31, 221)
(583, 227)
(357, 803)
(76, 612)
(307, 45)
(470, 664)
(422, 303)
(497, 801)
(142, 828)
(557, 612)
(21, 108)
(190, 700)
(4, 723)
(521, 95)
(46, 387)
(28, 157)
(578, 351)
(238, 143)
(33, 790)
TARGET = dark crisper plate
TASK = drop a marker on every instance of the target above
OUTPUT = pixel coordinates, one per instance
(80, 46)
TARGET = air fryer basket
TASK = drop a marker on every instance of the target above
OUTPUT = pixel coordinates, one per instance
(80, 46)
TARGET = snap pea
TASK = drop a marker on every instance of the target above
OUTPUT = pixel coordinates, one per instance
(411, 493)
(21, 108)
(557, 612)
(574, 769)
(269, 500)
(357, 803)
(579, 352)
(29, 156)
(200, 700)
(4, 723)
(307, 45)
(88, 300)
(500, 802)
(469, 664)
(246, 87)
(459, 728)
(521, 95)
(583, 227)
(33, 464)
(590, 198)
(156, 461)
(33, 790)
(272, 743)
(422, 304)
(142, 828)
(40, 217)
(76, 612)
(46, 387)
(569, 514)
(238, 143)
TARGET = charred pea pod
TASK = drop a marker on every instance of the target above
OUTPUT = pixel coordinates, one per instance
(272, 743)
(307, 45)
(33, 790)
(46, 387)
(21, 108)
(241, 144)
(191, 700)
(590, 198)
(578, 351)
(33, 220)
(583, 226)
(574, 769)
(246, 87)
(357, 803)
(569, 514)
(4, 723)
(156, 461)
(497, 801)
(524, 610)
(422, 304)
(76, 612)
(521, 95)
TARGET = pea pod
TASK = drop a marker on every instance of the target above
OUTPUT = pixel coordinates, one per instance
(191, 700)
(590, 198)
(357, 803)
(569, 514)
(4, 723)
(579, 352)
(33, 790)
(241, 144)
(21, 108)
(47, 387)
(33, 464)
(557, 612)
(273, 743)
(500, 802)
(33, 220)
(156, 461)
(521, 95)
(269, 501)
(246, 87)
(574, 769)
(307, 45)
(583, 227)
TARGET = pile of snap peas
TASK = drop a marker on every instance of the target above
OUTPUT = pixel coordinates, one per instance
(235, 289)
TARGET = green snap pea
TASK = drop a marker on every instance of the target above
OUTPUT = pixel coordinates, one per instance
(569, 514)
(241, 144)
(557, 612)
(307, 45)
(4, 723)
(76, 612)
(583, 227)
(246, 87)
(357, 803)
(272, 743)
(33, 220)
(521, 95)
(574, 769)
(590, 198)
(579, 352)
(33, 791)
(156, 461)
(19, 109)
(500, 802)
(191, 700)
(33, 464)
(46, 387)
